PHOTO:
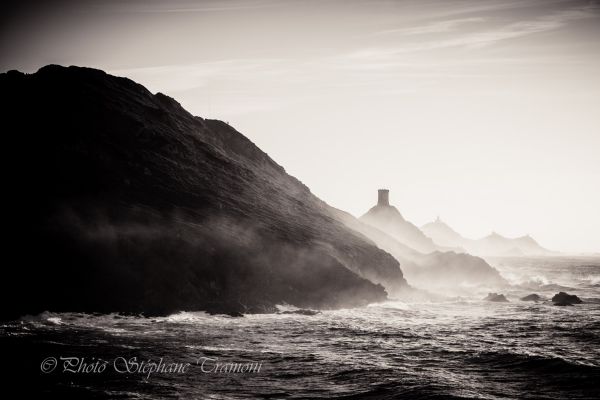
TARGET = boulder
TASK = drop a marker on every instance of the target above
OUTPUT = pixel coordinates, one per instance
(565, 299)
(532, 297)
(301, 312)
(496, 297)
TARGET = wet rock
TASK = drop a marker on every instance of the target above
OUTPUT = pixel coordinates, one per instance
(565, 299)
(301, 312)
(235, 314)
(532, 297)
(500, 298)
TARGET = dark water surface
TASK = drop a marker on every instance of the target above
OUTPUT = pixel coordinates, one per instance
(462, 348)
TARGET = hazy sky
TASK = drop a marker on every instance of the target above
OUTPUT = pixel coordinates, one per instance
(484, 112)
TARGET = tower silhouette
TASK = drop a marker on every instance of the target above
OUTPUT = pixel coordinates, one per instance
(383, 197)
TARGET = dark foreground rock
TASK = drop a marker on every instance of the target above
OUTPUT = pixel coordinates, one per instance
(565, 299)
(532, 297)
(500, 298)
(301, 312)
(120, 200)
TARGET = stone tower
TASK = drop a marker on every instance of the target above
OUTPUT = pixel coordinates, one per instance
(383, 197)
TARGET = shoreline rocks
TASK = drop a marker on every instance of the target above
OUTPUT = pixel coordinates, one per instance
(495, 297)
(302, 311)
(532, 297)
(565, 299)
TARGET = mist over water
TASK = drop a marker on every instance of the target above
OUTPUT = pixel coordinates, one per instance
(463, 347)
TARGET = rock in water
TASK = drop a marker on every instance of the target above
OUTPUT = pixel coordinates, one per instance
(565, 299)
(121, 200)
(301, 312)
(500, 298)
(532, 297)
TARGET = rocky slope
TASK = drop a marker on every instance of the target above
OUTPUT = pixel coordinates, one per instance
(443, 234)
(388, 219)
(120, 200)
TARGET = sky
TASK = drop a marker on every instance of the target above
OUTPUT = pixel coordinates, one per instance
(486, 113)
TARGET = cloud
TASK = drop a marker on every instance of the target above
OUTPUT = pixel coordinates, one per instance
(475, 39)
(519, 29)
(174, 78)
(449, 8)
(411, 61)
(226, 88)
(433, 27)
(178, 6)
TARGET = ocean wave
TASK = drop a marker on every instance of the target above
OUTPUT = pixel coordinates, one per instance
(185, 317)
(531, 363)
(592, 279)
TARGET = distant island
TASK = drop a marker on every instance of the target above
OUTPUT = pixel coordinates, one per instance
(492, 245)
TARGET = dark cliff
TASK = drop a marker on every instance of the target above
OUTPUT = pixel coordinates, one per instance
(120, 200)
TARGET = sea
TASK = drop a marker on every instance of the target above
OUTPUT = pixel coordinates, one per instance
(460, 347)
